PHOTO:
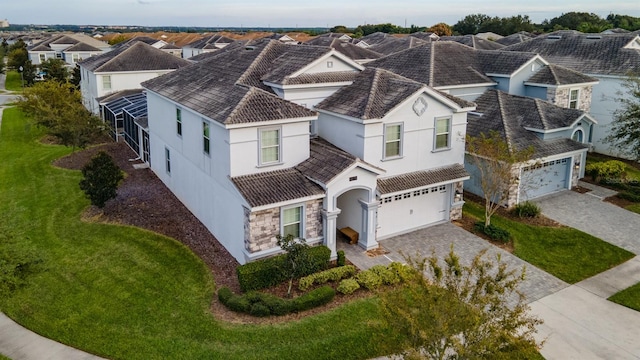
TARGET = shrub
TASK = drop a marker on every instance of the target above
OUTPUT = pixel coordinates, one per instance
(340, 261)
(224, 294)
(314, 298)
(629, 196)
(612, 169)
(493, 232)
(348, 286)
(269, 272)
(101, 178)
(404, 272)
(238, 303)
(368, 280)
(527, 209)
(322, 277)
(260, 310)
(387, 276)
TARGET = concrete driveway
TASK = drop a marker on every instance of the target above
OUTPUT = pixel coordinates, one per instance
(587, 212)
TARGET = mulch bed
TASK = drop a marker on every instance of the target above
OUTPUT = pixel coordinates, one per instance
(144, 201)
(581, 190)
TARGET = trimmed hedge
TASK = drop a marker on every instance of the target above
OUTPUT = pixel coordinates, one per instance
(348, 286)
(493, 232)
(342, 259)
(387, 276)
(404, 272)
(335, 274)
(611, 169)
(261, 304)
(527, 209)
(269, 272)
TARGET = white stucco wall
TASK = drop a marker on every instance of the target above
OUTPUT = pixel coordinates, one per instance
(330, 64)
(199, 181)
(603, 105)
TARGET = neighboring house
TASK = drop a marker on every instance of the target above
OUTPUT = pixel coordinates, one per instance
(515, 38)
(391, 44)
(474, 41)
(283, 38)
(359, 54)
(608, 58)
(72, 48)
(557, 135)
(209, 43)
(425, 35)
(234, 144)
(121, 69)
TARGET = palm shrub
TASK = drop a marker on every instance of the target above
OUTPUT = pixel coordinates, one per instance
(101, 178)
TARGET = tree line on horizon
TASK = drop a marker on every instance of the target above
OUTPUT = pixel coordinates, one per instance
(480, 23)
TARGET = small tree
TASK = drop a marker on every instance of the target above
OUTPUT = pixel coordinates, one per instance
(55, 69)
(624, 134)
(101, 178)
(441, 29)
(459, 312)
(296, 259)
(496, 161)
(76, 77)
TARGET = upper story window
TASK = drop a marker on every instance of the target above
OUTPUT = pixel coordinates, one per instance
(75, 57)
(269, 146)
(292, 221)
(58, 55)
(206, 142)
(106, 82)
(43, 57)
(443, 133)
(179, 121)
(573, 98)
(392, 140)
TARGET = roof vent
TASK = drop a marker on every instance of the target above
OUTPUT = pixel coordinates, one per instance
(594, 37)
(554, 37)
(249, 48)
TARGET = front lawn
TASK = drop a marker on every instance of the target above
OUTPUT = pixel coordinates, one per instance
(125, 293)
(629, 297)
(633, 172)
(13, 81)
(567, 253)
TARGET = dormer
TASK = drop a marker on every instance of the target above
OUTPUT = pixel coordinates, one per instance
(562, 87)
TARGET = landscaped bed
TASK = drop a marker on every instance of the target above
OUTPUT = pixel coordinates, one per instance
(569, 254)
(126, 293)
(623, 183)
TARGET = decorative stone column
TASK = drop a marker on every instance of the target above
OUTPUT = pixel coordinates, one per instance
(329, 226)
(368, 240)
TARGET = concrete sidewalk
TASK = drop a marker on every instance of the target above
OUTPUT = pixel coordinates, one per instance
(18, 343)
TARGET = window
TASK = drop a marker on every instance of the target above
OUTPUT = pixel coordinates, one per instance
(179, 121)
(393, 140)
(43, 57)
(443, 132)
(292, 221)
(58, 55)
(106, 82)
(573, 98)
(75, 57)
(205, 137)
(167, 160)
(269, 146)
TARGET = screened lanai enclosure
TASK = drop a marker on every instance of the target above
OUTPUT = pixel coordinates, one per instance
(127, 118)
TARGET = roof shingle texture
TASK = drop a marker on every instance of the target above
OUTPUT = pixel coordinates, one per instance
(136, 56)
(423, 178)
(348, 49)
(587, 53)
(509, 115)
(275, 186)
(559, 75)
(325, 162)
(474, 42)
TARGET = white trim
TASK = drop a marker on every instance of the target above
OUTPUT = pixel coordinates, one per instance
(438, 184)
(585, 116)
(307, 86)
(301, 222)
(435, 133)
(442, 88)
(400, 141)
(577, 100)
(287, 203)
(278, 160)
(562, 86)
(331, 53)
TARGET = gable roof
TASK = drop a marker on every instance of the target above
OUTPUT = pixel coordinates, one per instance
(135, 56)
(275, 186)
(603, 54)
(351, 50)
(82, 47)
(417, 179)
(559, 75)
(511, 115)
(391, 44)
(515, 38)
(474, 42)
(69, 39)
(208, 42)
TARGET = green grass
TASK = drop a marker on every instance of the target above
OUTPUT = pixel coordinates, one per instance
(629, 297)
(125, 293)
(567, 253)
(13, 81)
(632, 171)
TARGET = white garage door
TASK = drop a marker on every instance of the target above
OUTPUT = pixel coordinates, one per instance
(413, 209)
(545, 178)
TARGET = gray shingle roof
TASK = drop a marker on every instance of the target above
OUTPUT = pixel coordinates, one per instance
(292, 59)
(348, 49)
(318, 78)
(391, 45)
(136, 56)
(275, 186)
(515, 38)
(503, 62)
(325, 162)
(372, 95)
(40, 47)
(63, 39)
(207, 41)
(559, 75)
(82, 47)
(509, 115)
(587, 53)
(474, 42)
(375, 38)
(420, 179)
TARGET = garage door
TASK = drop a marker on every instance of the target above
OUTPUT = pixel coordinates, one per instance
(413, 209)
(545, 178)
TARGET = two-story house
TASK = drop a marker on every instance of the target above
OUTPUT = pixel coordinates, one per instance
(233, 137)
(71, 48)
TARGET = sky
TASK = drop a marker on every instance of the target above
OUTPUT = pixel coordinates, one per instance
(291, 13)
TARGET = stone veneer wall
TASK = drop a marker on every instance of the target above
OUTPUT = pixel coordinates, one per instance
(456, 210)
(560, 97)
(575, 173)
(262, 227)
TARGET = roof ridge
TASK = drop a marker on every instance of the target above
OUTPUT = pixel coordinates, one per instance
(255, 62)
(125, 48)
(239, 104)
(372, 91)
(505, 125)
(553, 73)
(336, 150)
(543, 118)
